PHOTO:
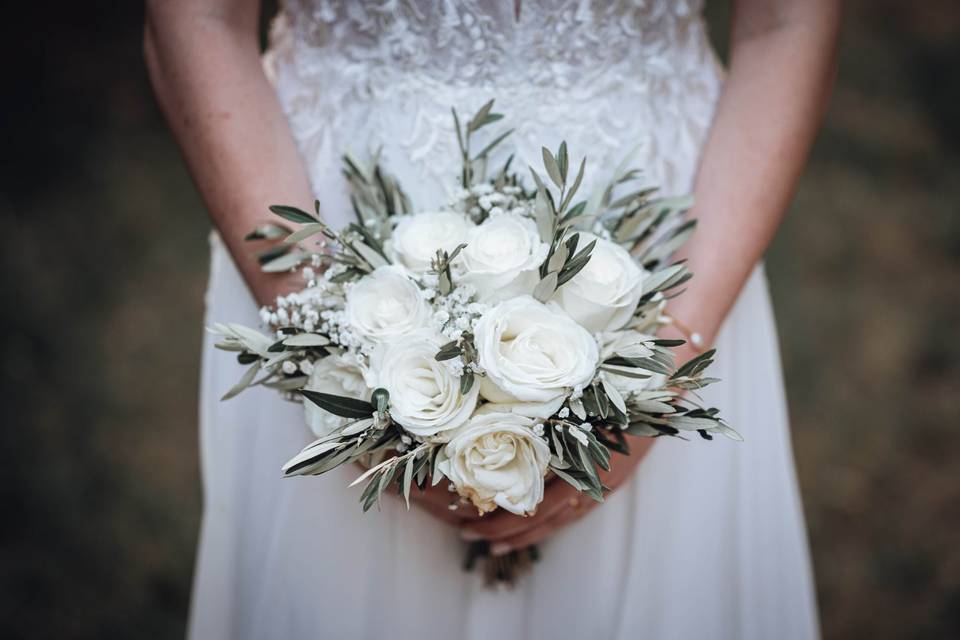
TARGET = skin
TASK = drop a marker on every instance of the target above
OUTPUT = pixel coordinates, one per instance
(204, 63)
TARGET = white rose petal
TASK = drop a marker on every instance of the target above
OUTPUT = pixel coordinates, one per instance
(340, 376)
(502, 257)
(533, 355)
(605, 293)
(417, 237)
(425, 394)
(496, 460)
(385, 304)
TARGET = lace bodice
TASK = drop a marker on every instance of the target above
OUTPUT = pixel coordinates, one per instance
(607, 76)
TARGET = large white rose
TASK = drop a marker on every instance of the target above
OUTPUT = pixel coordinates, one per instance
(425, 395)
(385, 304)
(502, 257)
(533, 355)
(417, 237)
(630, 344)
(496, 460)
(605, 293)
(339, 375)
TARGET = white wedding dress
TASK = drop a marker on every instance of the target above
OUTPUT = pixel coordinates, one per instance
(706, 541)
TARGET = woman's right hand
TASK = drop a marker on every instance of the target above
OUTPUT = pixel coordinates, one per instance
(438, 500)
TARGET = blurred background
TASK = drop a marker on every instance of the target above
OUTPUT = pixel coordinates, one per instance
(103, 267)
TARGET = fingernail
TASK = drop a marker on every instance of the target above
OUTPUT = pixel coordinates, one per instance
(470, 536)
(500, 549)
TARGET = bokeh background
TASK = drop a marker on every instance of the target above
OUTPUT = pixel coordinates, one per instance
(103, 267)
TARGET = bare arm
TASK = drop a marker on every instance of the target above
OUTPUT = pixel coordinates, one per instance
(781, 71)
(204, 62)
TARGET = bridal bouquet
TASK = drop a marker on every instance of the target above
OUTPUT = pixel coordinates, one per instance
(505, 337)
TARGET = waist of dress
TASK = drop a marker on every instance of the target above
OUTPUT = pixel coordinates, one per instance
(685, 67)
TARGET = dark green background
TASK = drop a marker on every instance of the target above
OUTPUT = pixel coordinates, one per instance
(103, 266)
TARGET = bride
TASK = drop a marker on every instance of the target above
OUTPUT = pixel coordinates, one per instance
(697, 540)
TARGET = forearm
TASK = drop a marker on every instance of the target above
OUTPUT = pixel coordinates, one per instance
(208, 78)
(767, 116)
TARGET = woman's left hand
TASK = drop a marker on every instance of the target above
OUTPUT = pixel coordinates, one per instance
(562, 504)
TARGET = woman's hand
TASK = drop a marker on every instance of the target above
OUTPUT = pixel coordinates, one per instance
(437, 501)
(562, 504)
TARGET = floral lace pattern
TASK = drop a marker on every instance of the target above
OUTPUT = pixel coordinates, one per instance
(611, 77)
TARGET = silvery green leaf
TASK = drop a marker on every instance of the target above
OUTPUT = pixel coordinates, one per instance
(285, 262)
(448, 351)
(287, 384)
(550, 164)
(408, 479)
(466, 383)
(557, 445)
(487, 149)
(277, 358)
(558, 258)
(650, 406)
(268, 232)
(293, 214)
(307, 340)
(563, 161)
(372, 257)
(588, 465)
(695, 364)
(626, 372)
(576, 185)
(613, 394)
(228, 345)
(479, 116)
(666, 248)
(244, 382)
(574, 213)
(251, 339)
(439, 463)
(356, 427)
(636, 350)
(576, 406)
(662, 277)
(566, 477)
(545, 288)
(729, 432)
(691, 424)
(308, 455)
(339, 405)
(371, 471)
(309, 230)
(456, 124)
(544, 216)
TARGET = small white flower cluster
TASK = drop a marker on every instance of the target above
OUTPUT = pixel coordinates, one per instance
(483, 200)
(454, 313)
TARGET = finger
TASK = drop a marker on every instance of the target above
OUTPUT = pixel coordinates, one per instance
(440, 513)
(544, 530)
(502, 524)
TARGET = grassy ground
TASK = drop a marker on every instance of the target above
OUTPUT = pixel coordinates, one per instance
(103, 270)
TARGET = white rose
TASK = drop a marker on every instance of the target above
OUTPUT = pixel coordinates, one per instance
(417, 237)
(605, 293)
(502, 257)
(425, 395)
(533, 354)
(496, 460)
(630, 344)
(340, 376)
(385, 304)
